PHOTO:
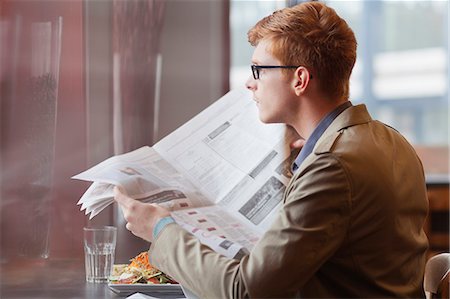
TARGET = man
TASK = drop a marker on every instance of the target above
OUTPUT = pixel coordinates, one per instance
(351, 223)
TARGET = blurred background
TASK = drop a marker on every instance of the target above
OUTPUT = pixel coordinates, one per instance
(82, 80)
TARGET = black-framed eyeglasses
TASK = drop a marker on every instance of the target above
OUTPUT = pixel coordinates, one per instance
(256, 68)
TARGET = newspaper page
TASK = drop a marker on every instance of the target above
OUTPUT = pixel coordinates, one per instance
(236, 161)
(223, 174)
(218, 243)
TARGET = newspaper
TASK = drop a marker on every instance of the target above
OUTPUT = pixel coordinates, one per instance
(222, 174)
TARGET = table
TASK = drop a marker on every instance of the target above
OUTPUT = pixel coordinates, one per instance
(46, 278)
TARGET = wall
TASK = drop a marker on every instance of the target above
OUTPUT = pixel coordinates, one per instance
(195, 60)
(194, 72)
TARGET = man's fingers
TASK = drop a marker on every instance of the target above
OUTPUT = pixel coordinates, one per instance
(121, 198)
(299, 143)
(128, 226)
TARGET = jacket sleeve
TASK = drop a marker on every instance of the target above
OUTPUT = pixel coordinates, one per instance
(309, 228)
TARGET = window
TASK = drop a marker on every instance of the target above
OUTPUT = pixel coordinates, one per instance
(243, 15)
(402, 67)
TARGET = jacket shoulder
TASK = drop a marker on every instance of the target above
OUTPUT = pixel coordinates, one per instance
(327, 144)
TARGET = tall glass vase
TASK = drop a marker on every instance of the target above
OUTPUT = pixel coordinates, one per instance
(27, 160)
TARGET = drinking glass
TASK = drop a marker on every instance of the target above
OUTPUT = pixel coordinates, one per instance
(99, 249)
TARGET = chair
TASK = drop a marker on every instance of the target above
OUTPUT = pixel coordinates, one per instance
(436, 280)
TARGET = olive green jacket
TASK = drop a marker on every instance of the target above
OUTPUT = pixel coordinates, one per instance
(350, 226)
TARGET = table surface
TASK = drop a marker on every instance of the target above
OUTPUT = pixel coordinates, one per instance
(49, 279)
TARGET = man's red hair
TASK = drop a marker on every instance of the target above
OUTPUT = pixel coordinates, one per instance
(312, 35)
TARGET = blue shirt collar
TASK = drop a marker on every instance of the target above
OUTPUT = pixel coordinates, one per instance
(318, 131)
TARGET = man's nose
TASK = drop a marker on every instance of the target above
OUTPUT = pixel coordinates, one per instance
(251, 83)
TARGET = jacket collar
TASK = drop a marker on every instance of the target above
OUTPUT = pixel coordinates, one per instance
(355, 115)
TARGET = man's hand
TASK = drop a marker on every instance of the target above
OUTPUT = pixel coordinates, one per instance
(141, 217)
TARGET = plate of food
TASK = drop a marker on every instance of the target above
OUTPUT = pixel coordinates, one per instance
(139, 276)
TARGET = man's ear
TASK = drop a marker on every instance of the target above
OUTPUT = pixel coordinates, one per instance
(301, 80)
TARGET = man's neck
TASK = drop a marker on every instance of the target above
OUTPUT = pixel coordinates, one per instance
(312, 112)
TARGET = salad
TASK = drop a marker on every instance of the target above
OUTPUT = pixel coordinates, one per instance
(139, 270)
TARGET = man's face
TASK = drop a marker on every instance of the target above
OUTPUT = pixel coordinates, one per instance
(273, 91)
